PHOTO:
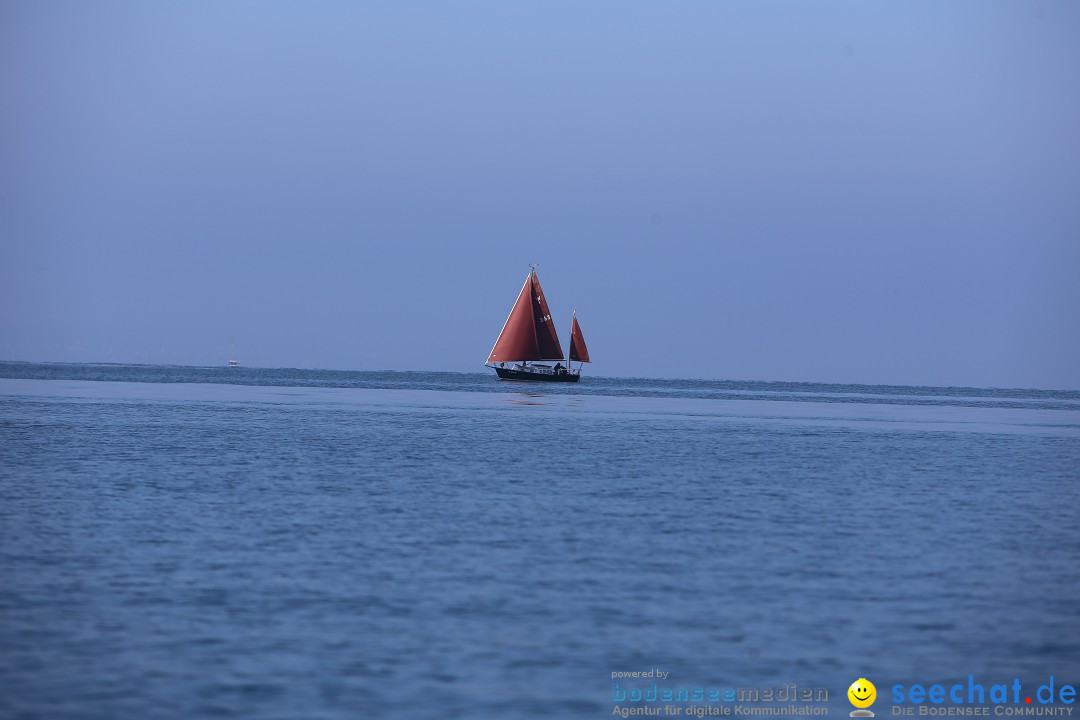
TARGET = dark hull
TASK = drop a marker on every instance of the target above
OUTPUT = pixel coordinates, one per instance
(510, 374)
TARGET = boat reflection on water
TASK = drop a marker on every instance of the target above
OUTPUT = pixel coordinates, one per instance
(527, 399)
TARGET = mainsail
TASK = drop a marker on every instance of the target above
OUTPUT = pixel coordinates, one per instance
(578, 350)
(529, 333)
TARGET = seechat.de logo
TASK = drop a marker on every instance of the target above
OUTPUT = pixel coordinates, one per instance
(1005, 698)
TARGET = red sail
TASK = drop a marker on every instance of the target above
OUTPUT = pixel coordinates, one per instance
(578, 351)
(529, 333)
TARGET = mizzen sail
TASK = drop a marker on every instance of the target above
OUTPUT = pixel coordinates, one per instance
(579, 352)
(529, 333)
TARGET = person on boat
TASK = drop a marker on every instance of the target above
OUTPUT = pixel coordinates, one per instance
(558, 368)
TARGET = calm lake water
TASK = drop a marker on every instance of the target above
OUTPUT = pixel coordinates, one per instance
(209, 542)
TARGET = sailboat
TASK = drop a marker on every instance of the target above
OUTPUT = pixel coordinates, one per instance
(528, 336)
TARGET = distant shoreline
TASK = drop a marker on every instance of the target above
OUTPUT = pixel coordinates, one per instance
(246, 373)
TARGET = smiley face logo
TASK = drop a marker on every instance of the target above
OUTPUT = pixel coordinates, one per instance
(862, 693)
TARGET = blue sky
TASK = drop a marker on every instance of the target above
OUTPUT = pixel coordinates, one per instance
(839, 192)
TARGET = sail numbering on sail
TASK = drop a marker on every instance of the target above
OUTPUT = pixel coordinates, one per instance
(528, 336)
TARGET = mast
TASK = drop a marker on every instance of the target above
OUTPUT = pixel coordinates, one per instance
(570, 341)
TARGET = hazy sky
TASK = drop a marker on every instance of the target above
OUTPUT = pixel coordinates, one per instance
(842, 192)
